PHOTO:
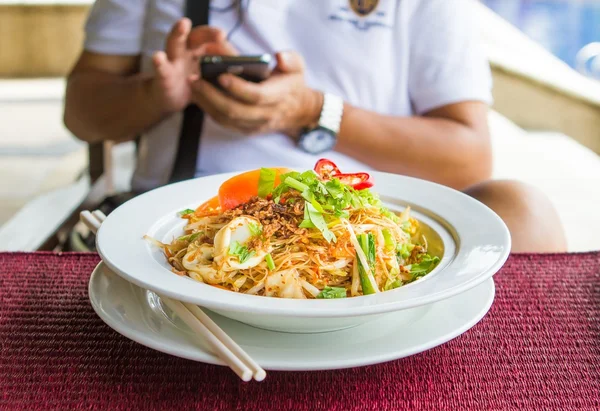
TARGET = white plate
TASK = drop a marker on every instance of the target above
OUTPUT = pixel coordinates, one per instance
(475, 241)
(138, 315)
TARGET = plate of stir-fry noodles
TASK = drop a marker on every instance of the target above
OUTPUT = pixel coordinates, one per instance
(318, 243)
(290, 234)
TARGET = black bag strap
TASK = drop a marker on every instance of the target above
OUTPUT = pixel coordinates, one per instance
(189, 139)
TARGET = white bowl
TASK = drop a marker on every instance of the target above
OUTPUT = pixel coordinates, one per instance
(475, 244)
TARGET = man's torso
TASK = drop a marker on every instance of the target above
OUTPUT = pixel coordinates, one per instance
(355, 49)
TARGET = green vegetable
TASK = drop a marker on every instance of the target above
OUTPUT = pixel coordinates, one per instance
(342, 213)
(390, 284)
(295, 184)
(315, 203)
(405, 226)
(328, 200)
(425, 266)
(367, 197)
(266, 182)
(241, 251)
(332, 292)
(317, 221)
(405, 250)
(332, 196)
(190, 237)
(389, 240)
(185, 212)
(255, 229)
(367, 244)
(306, 223)
(270, 262)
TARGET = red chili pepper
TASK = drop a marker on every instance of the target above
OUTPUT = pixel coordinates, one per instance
(326, 169)
(358, 181)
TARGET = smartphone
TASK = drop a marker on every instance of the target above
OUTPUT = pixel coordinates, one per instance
(251, 68)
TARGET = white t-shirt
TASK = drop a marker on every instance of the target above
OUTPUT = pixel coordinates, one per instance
(404, 58)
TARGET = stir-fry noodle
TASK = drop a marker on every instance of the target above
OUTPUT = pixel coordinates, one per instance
(299, 235)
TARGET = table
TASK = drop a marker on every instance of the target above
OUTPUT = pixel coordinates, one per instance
(538, 348)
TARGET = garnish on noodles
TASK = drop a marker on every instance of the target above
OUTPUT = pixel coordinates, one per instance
(314, 234)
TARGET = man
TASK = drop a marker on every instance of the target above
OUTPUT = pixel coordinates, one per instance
(405, 81)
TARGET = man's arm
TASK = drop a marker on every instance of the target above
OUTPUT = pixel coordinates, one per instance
(449, 145)
(107, 99)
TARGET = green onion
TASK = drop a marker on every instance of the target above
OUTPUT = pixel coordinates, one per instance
(332, 292)
(367, 244)
(266, 182)
(190, 237)
(241, 251)
(255, 229)
(185, 212)
(270, 262)
(389, 240)
(391, 284)
(295, 184)
(405, 250)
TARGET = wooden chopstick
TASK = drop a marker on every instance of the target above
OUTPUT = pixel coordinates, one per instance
(100, 216)
(258, 372)
(222, 351)
(228, 350)
(90, 221)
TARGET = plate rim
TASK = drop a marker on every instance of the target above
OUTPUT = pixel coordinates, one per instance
(228, 301)
(208, 358)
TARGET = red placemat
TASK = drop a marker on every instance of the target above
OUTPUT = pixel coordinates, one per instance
(539, 347)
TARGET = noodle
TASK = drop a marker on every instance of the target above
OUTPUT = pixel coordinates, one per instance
(278, 246)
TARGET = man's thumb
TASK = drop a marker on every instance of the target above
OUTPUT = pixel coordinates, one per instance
(290, 62)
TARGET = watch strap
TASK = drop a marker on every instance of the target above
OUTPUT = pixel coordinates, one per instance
(331, 113)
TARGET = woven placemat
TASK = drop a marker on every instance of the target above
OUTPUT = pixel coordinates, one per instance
(539, 347)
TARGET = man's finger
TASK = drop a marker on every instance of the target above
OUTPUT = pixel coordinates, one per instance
(289, 62)
(224, 107)
(223, 48)
(176, 43)
(161, 63)
(205, 34)
(267, 92)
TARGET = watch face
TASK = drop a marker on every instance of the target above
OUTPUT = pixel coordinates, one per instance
(317, 141)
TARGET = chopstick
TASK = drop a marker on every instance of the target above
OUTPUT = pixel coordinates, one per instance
(234, 362)
(223, 345)
(90, 221)
(258, 373)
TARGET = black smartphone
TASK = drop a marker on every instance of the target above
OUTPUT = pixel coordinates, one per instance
(251, 68)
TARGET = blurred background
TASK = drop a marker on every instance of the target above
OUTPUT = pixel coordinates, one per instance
(545, 122)
(569, 29)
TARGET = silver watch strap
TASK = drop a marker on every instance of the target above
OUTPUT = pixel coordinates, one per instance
(331, 113)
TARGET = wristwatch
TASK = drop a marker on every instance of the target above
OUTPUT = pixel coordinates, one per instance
(324, 136)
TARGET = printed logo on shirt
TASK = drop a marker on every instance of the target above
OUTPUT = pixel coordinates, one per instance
(364, 14)
(363, 7)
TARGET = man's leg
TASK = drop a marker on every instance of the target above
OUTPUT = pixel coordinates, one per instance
(532, 220)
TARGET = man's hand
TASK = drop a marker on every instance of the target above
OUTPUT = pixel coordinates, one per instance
(282, 103)
(179, 61)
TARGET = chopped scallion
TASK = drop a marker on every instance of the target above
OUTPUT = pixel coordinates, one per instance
(241, 251)
(332, 292)
(270, 262)
(295, 184)
(186, 212)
